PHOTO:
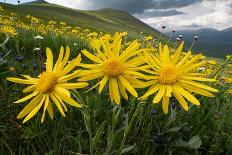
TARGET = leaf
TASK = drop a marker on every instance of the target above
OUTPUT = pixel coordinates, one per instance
(128, 148)
(174, 129)
(97, 137)
(77, 96)
(182, 143)
(115, 116)
(195, 142)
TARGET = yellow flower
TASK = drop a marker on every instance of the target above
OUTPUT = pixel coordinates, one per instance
(229, 80)
(148, 38)
(212, 62)
(12, 69)
(8, 30)
(175, 76)
(1, 9)
(50, 87)
(120, 68)
(229, 91)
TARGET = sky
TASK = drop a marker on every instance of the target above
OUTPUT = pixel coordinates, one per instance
(174, 14)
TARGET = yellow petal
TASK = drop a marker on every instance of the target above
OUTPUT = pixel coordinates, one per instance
(45, 107)
(69, 76)
(73, 85)
(27, 97)
(198, 78)
(178, 52)
(188, 96)
(34, 102)
(160, 94)
(151, 91)
(169, 91)
(65, 60)
(35, 110)
(68, 100)
(50, 110)
(62, 90)
(49, 62)
(200, 85)
(180, 98)
(128, 86)
(60, 100)
(61, 55)
(103, 83)
(71, 65)
(197, 90)
(114, 84)
(122, 90)
(165, 104)
(91, 56)
(21, 81)
(58, 105)
(29, 89)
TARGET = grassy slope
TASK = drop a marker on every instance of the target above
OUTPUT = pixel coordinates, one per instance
(106, 20)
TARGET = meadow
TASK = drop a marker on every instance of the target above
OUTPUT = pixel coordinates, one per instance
(92, 92)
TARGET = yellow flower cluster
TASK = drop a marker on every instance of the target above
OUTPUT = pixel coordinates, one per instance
(122, 69)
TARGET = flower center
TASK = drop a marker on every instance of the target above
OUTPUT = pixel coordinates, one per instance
(169, 76)
(47, 82)
(113, 68)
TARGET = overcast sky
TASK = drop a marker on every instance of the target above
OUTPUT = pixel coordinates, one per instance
(175, 14)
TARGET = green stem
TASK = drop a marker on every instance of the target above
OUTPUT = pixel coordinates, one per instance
(220, 69)
(128, 127)
(88, 128)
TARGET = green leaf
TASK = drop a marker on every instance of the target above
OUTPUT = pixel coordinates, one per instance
(115, 116)
(172, 115)
(128, 148)
(97, 137)
(77, 96)
(195, 142)
(174, 129)
(181, 143)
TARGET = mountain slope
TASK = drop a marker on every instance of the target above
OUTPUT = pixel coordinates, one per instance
(106, 20)
(211, 41)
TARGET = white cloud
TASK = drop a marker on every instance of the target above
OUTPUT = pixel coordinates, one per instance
(76, 4)
(213, 14)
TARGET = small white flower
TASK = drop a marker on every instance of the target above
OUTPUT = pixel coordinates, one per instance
(75, 44)
(178, 39)
(36, 49)
(38, 37)
(201, 69)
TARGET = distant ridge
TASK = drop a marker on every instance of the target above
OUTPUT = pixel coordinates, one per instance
(105, 20)
(35, 2)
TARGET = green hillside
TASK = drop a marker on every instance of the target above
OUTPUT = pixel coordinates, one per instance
(106, 20)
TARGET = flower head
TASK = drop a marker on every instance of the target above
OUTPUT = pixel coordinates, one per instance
(116, 66)
(8, 30)
(38, 37)
(51, 87)
(175, 76)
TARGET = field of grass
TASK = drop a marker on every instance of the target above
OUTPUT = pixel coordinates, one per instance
(102, 126)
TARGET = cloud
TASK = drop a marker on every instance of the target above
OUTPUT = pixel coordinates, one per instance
(158, 13)
(175, 14)
(205, 14)
(132, 6)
